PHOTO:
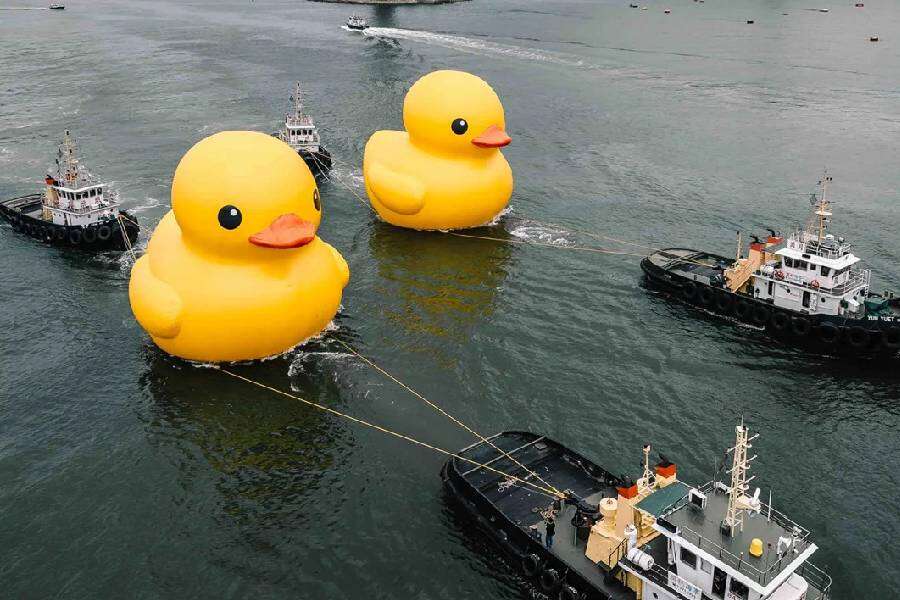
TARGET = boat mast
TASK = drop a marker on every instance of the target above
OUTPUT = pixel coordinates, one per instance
(823, 211)
(734, 518)
(68, 163)
(298, 100)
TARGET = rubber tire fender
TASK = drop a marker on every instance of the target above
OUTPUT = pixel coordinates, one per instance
(75, 237)
(531, 565)
(724, 302)
(891, 338)
(104, 232)
(550, 579)
(567, 592)
(829, 332)
(760, 314)
(705, 295)
(780, 321)
(89, 235)
(743, 309)
(858, 337)
(59, 233)
(689, 291)
(800, 326)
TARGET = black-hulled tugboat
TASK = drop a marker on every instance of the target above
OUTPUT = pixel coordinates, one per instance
(357, 23)
(806, 288)
(616, 539)
(300, 133)
(75, 209)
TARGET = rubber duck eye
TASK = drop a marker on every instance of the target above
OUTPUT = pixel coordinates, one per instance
(229, 217)
(459, 126)
(316, 200)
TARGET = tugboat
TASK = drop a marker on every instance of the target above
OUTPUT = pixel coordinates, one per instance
(57, 7)
(619, 539)
(806, 289)
(75, 209)
(300, 133)
(357, 23)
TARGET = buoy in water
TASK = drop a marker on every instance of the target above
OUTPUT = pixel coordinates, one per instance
(873, 38)
(235, 270)
(446, 170)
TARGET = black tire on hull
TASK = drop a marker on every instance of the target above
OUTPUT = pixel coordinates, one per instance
(705, 295)
(800, 326)
(858, 337)
(760, 314)
(567, 592)
(550, 580)
(780, 322)
(891, 338)
(724, 302)
(829, 332)
(531, 565)
(743, 309)
(689, 291)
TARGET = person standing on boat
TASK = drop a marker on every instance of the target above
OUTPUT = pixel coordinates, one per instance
(549, 530)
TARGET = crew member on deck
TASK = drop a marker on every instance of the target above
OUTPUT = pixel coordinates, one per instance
(550, 529)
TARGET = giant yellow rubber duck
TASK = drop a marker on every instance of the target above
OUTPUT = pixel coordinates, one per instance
(446, 170)
(235, 270)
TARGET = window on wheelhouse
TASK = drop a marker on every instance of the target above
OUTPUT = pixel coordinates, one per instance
(825, 271)
(738, 590)
(689, 558)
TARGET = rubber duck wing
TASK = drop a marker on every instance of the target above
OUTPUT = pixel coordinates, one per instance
(155, 304)
(341, 265)
(402, 194)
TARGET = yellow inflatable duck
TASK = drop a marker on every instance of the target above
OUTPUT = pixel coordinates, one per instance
(235, 271)
(446, 170)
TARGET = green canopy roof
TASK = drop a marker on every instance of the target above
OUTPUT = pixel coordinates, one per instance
(660, 500)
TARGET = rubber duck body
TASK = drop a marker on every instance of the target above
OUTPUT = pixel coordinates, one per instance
(235, 270)
(446, 170)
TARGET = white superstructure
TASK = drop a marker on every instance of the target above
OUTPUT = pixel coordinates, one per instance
(298, 130)
(814, 272)
(73, 196)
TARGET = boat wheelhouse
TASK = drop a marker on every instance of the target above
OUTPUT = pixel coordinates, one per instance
(808, 287)
(623, 539)
(357, 23)
(300, 133)
(75, 209)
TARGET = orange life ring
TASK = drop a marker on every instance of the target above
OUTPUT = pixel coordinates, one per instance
(814, 284)
(779, 274)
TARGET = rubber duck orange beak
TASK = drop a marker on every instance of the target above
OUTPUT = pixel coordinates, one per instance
(492, 137)
(287, 231)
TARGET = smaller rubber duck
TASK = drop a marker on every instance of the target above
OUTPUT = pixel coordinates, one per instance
(235, 270)
(446, 170)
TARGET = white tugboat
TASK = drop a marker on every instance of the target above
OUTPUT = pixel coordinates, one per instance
(807, 287)
(357, 23)
(75, 209)
(618, 539)
(300, 133)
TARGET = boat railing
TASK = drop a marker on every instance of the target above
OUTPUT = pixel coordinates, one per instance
(855, 280)
(800, 537)
(819, 581)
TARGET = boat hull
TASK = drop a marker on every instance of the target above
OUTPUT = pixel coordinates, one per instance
(870, 338)
(525, 553)
(96, 237)
(319, 163)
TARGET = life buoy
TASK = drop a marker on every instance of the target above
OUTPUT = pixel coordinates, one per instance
(705, 295)
(567, 592)
(724, 300)
(780, 321)
(90, 235)
(891, 338)
(814, 284)
(760, 314)
(75, 236)
(550, 579)
(800, 326)
(742, 309)
(531, 565)
(104, 232)
(829, 332)
(689, 290)
(779, 274)
(858, 337)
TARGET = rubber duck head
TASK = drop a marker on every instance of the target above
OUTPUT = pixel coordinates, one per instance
(242, 193)
(455, 113)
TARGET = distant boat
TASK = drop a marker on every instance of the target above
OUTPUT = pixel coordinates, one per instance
(750, 21)
(57, 7)
(299, 132)
(357, 23)
(874, 38)
(823, 10)
(632, 5)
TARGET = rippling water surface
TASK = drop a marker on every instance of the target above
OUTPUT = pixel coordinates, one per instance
(126, 473)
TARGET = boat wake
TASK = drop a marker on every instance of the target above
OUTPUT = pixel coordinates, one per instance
(474, 46)
(541, 233)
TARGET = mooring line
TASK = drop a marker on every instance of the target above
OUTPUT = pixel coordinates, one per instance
(540, 489)
(445, 413)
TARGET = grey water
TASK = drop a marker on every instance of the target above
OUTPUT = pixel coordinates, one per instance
(125, 473)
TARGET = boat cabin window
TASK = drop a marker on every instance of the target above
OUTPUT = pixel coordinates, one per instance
(788, 262)
(800, 264)
(688, 558)
(812, 267)
(738, 590)
(826, 270)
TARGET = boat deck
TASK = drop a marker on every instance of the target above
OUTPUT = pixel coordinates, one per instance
(690, 263)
